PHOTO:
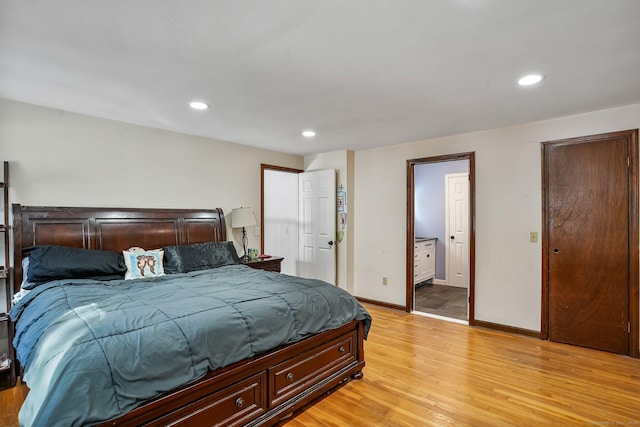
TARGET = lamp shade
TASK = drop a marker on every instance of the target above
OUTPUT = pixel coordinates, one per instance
(242, 217)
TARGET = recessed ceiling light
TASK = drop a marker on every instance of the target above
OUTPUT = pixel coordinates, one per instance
(198, 105)
(308, 133)
(531, 79)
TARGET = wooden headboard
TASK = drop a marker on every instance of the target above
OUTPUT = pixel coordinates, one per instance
(111, 229)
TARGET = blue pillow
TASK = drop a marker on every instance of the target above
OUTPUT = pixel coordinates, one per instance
(51, 262)
(26, 284)
(199, 256)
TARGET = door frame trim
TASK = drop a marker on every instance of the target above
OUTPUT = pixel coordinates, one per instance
(411, 164)
(634, 234)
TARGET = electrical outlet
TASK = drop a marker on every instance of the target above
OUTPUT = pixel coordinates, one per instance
(533, 237)
(384, 280)
(256, 231)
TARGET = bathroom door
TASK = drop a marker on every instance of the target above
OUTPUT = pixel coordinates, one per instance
(457, 225)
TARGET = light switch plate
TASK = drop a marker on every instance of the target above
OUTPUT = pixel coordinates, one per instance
(533, 237)
(256, 231)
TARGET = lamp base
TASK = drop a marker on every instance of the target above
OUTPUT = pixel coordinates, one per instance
(245, 241)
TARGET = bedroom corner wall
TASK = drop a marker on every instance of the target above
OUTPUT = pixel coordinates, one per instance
(508, 207)
(67, 159)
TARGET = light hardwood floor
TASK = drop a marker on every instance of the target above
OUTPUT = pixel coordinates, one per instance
(426, 372)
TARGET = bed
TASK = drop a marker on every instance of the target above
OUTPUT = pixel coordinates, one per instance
(204, 346)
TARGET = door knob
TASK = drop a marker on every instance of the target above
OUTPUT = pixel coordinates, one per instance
(452, 237)
(556, 251)
(330, 242)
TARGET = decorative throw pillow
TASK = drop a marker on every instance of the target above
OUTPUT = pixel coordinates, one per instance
(199, 256)
(141, 263)
(51, 262)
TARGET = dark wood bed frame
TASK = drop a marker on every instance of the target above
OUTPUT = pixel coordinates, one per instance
(259, 391)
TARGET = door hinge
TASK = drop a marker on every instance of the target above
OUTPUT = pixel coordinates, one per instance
(628, 327)
(628, 161)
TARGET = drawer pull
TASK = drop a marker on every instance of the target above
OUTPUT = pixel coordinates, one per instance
(239, 402)
(290, 376)
(341, 349)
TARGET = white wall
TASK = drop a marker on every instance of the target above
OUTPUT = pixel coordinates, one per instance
(508, 207)
(60, 158)
(67, 159)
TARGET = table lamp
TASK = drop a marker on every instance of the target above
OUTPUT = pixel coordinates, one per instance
(241, 218)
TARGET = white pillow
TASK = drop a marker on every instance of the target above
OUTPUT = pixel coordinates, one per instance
(142, 264)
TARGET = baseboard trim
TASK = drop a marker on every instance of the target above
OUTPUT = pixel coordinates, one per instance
(506, 328)
(381, 303)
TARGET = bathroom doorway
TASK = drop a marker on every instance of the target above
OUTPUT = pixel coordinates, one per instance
(441, 236)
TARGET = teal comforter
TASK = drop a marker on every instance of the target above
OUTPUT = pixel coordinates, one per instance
(94, 350)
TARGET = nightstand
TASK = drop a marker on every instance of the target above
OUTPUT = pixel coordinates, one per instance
(268, 264)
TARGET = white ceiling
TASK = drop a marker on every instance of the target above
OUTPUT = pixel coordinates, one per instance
(362, 73)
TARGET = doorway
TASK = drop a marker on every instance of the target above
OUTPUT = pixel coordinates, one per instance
(279, 215)
(317, 225)
(427, 221)
(590, 242)
(298, 220)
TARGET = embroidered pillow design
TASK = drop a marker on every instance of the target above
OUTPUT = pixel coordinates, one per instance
(141, 263)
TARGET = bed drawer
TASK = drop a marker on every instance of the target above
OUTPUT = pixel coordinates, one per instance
(290, 377)
(232, 406)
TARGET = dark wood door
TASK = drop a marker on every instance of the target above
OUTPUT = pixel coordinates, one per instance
(588, 241)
